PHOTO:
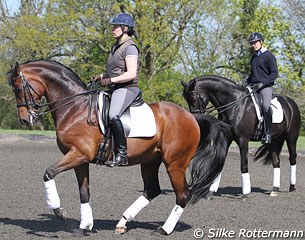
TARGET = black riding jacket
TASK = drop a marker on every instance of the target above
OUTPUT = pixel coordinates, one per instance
(263, 69)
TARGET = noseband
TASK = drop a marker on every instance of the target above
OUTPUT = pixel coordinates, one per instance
(33, 106)
(29, 101)
(201, 104)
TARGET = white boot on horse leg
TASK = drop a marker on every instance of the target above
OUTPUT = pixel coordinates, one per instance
(171, 221)
(293, 178)
(130, 214)
(53, 201)
(276, 182)
(214, 187)
(246, 184)
(86, 217)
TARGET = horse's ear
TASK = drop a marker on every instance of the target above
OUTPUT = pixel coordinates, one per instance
(16, 69)
(184, 84)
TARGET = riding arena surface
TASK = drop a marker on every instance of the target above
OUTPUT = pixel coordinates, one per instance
(24, 215)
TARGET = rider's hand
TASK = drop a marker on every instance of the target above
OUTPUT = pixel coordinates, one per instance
(258, 86)
(96, 78)
(105, 82)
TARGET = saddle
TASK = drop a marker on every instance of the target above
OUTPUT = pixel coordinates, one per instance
(276, 110)
(138, 121)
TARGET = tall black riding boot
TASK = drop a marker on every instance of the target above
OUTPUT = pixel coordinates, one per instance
(120, 148)
(268, 124)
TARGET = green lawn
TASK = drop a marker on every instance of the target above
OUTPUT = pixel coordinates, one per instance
(300, 146)
(36, 132)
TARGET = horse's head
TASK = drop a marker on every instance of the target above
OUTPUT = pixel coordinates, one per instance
(196, 102)
(28, 94)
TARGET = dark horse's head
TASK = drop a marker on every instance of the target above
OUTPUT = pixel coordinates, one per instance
(197, 102)
(32, 80)
(219, 91)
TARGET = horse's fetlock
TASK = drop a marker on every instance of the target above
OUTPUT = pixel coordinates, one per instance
(47, 176)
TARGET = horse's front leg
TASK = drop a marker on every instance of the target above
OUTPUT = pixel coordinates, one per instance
(82, 175)
(243, 149)
(71, 160)
(276, 174)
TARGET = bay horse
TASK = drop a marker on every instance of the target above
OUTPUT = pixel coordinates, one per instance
(235, 107)
(182, 141)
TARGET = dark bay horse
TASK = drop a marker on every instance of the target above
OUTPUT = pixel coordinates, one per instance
(235, 106)
(182, 140)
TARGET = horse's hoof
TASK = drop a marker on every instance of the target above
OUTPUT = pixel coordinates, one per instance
(81, 233)
(161, 231)
(120, 230)
(274, 192)
(209, 195)
(244, 197)
(60, 213)
(292, 188)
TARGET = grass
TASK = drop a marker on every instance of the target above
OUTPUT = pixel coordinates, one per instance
(300, 144)
(34, 132)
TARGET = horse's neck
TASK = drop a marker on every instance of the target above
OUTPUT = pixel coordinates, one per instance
(221, 95)
(58, 90)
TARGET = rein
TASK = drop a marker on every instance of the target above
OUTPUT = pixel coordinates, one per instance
(219, 109)
(29, 100)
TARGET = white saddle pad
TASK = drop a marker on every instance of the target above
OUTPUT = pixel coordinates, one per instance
(277, 110)
(137, 121)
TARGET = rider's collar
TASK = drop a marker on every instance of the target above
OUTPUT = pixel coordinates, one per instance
(262, 50)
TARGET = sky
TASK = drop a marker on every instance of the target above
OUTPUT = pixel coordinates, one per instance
(12, 5)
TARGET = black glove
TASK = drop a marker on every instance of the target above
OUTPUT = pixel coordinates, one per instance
(105, 82)
(96, 78)
(259, 85)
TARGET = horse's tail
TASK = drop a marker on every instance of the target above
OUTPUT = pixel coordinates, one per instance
(210, 155)
(264, 154)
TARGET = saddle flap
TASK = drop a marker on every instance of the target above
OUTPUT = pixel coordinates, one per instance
(138, 121)
(276, 108)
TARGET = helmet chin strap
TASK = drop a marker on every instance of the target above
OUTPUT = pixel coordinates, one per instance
(123, 32)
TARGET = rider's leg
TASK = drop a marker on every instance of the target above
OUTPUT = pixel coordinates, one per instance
(121, 99)
(120, 148)
(267, 96)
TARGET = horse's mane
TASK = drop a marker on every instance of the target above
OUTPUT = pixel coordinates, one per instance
(225, 81)
(66, 70)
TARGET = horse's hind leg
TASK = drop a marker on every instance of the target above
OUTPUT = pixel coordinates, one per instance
(292, 144)
(177, 177)
(151, 190)
(275, 150)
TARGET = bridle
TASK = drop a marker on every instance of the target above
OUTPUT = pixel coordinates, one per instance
(202, 106)
(29, 101)
(33, 106)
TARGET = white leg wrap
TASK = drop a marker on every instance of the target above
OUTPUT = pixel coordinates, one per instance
(86, 217)
(293, 173)
(133, 210)
(276, 177)
(52, 197)
(246, 185)
(172, 219)
(215, 185)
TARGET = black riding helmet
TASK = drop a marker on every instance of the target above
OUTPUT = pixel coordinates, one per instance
(255, 36)
(124, 19)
